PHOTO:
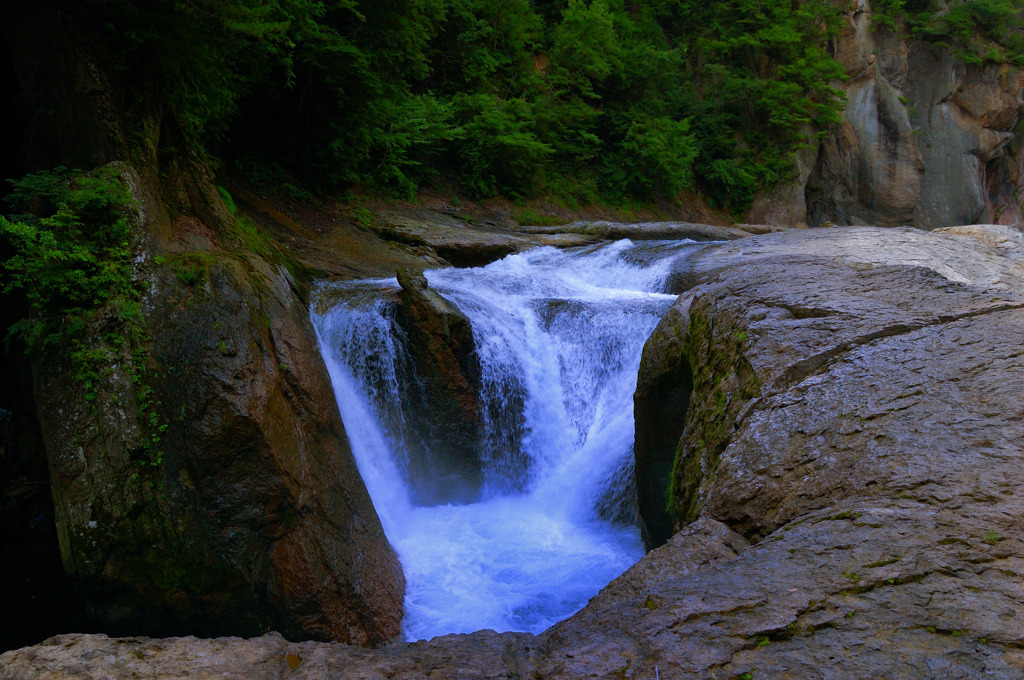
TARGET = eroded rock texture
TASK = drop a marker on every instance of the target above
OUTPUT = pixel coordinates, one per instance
(200, 474)
(850, 459)
(445, 429)
(207, 485)
(926, 139)
(856, 416)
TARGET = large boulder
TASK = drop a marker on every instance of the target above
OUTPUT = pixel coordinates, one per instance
(792, 279)
(444, 431)
(201, 478)
(988, 261)
(437, 235)
(854, 417)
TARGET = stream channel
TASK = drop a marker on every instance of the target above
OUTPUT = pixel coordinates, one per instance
(559, 334)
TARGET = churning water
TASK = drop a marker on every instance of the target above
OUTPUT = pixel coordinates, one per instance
(559, 336)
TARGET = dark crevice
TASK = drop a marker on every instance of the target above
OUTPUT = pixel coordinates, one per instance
(660, 406)
(37, 597)
(807, 312)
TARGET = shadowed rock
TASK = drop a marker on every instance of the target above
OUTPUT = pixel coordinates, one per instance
(653, 230)
(444, 437)
(207, 486)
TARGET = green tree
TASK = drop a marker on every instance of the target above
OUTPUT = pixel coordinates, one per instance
(585, 99)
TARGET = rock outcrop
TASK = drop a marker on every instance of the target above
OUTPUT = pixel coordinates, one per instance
(855, 417)
(662, 396)
(208, 486)
(850, 459)
(653, 230)
(926, 139)
(201, 478)
(448, 238)
(444, 430)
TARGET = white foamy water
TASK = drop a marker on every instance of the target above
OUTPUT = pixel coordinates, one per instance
(559, 336)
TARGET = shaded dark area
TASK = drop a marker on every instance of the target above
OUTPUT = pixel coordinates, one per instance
(11, 165)
(38, 599)
(660, 404)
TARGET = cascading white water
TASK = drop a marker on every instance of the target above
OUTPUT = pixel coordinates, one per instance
(559, 336)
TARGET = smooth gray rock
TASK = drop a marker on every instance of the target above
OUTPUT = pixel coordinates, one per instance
(855, 414)
(926, 139)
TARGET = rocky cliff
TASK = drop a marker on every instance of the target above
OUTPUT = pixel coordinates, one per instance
(926, 139)
(830, 419)
(847, 486)
(205, 483)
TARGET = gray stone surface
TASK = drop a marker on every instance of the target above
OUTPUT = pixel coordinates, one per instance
(926, 139)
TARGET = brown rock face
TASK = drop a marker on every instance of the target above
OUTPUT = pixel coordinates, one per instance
(262, 453)
(851, 457)
(201, 477)
(445, 432)
(226, 499)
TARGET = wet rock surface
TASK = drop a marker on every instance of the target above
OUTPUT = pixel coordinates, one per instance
(850, 459)
(449, 238)
(660, 404)
(980, 254)
(482, 656)
(855, 415)
(445, 429)
(645, 231)
(257, 449)
(207, 485)
(200, 476)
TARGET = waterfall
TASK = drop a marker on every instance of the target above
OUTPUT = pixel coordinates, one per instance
(559, 336)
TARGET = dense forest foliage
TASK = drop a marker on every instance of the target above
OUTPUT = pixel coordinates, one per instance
(586, 100)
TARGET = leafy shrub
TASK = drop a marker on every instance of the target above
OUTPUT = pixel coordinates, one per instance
(72, 250)
(71, 246)
(497, 149)
(656, 157)
(977, 30)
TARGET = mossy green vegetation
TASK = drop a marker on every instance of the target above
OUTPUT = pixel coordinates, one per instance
(723, 383)
(581, 100)
(71, 242)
